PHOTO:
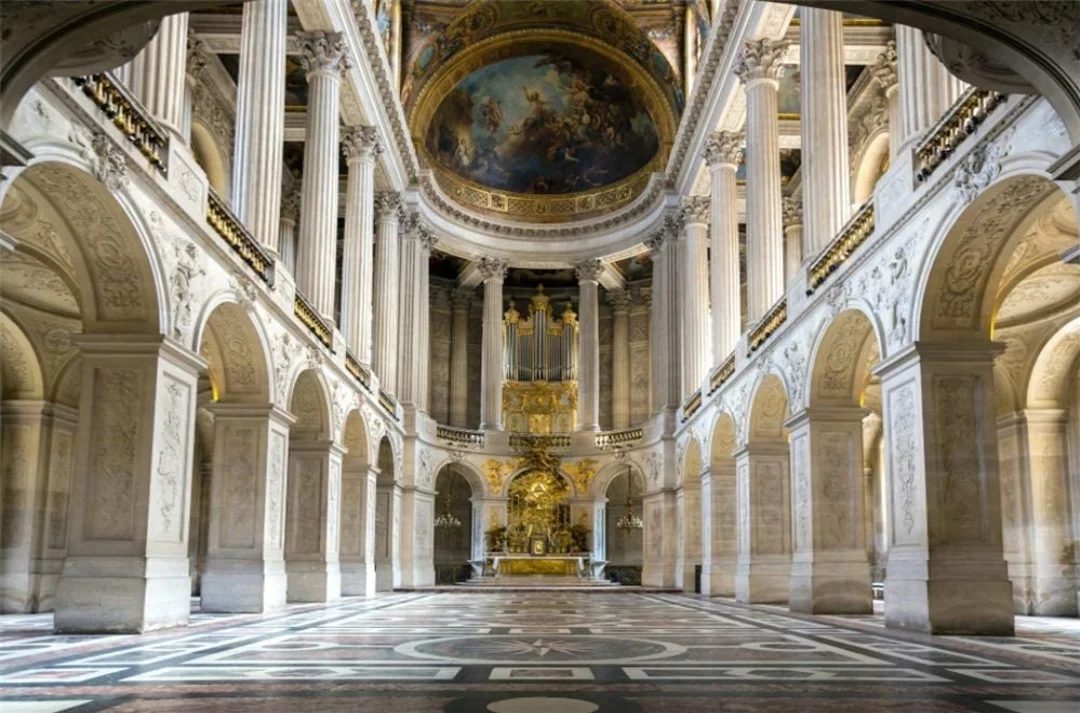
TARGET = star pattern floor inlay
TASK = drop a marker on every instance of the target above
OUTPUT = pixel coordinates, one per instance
(558, 651)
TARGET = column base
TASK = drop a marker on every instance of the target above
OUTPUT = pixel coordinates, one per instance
(243, 586)
(122, 595)
(1054, 591)
(386, 578)
(763, 579)
(831, 585)
(718, 578)
(357, 579)
(28, 592)
(661, 576)
(948, 596)
(313, 581)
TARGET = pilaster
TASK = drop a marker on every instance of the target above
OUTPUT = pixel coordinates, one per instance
(388, 214)
(312, 539)
(357, 527)
(723, 153)
(764, 527)
(461, 300)
(620, 359)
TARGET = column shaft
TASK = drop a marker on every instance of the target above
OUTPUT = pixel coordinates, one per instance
(588, 274)
(826, 177)
(361, 147)
(793, 236)
(357, 527)
(694, 244)
(491, 368)
(290, 216)
(927, 89)
(723, 154)
(158, 74)
(260, 121)
(459, 357)
(620, 360)
(408, 350)
(312, 539)
(764, 534)
(658, 558)
(385, 309)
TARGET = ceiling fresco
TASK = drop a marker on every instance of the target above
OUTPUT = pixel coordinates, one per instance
(558, 122)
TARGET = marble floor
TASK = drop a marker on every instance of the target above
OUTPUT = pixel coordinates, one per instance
(538, 652)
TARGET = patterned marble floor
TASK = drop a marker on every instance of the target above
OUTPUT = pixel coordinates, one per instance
(557, 652)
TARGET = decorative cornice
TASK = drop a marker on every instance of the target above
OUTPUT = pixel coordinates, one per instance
(695, 209)
(388, 206)
(724, 148)
(492, 268)
(323, 52)
(589, 270)
(361, 142)
(760, 59)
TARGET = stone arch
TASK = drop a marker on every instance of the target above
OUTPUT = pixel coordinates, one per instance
(237, 353)
(467, 470)
(210, 157)
(355, 437)
(870, 167)
(957, 291)
(623, 549)
(768, 410)
(387, 518)
(20, 366)
(1055, 368)
(309, 404)
(457, 490)
(846, 350)
(103, 236)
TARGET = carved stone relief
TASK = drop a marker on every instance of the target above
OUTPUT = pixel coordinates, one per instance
(238, 473)
(169, 487)
(116, 431)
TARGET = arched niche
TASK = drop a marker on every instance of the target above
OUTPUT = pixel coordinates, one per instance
(453, 532)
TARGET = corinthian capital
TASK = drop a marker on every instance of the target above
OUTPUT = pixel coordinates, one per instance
(884, 67)
(359, 142)
(323, 52)
(388, 206)
(694, 209)
(760, 59)
(724, 148)
(792, 209)
(589, 270)
(492, 268)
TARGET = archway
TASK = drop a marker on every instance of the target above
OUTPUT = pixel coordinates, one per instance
(871, 166)
(624, 547)
(719, 531)
(210, 158)
(358, 483)
(453, 527)
(387, 520)
(688, 515)
(764, 496)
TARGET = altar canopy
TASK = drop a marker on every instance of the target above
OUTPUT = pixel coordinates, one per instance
(539, 515)
(541, 362)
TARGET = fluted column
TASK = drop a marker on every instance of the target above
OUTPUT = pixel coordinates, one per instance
(666, 342)
(759, 68)
(290, 216)
(460, 301)
(361, 147)
(158, 74)
(324, 58)
(588, 274)
(427, 243)
(927, 89)
(884, 71)
(620, 359)
(385, 307)
(723, 152)
(491, 368)
(823, 118)
(260, 121)
(413, 306)
(694, 244)
(793, 236)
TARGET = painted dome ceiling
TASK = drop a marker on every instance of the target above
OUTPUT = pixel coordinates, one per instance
(542, 112)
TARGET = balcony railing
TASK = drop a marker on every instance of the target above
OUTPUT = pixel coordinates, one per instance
(358, 371)
(854, 234)
(311, 319)
(554, 441)
(768, 325)
(229, 227)
(610, 440)
(388, 403)
(722, 373)
(692, 405)
(129, 116)
(460, 436)
(960, 122)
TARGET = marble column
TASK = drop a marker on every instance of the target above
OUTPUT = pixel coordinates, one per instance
(260, 121)
(946, 568)
(620, 359)
(460, 301)
(491, 367)
(927, 89)
(245, 557)
(826, 173)
(361, 147)
(417, 540)
(312, 534)
(793, 236)
(387, 536)
(37, 458)
(759, 67)
(385, 307)
(723, 152)
(694, 305)
(158, 75)
(884, 71)
(290, 216)
(588, 274)
(764, 528)
(428, 241)
(413, 305)
(325, 60)
(666, 344)
(126, 569)
(830, 572)
(357, 527)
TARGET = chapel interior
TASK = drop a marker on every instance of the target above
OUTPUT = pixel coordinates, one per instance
(530, 356)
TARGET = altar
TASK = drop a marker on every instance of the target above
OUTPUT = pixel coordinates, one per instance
(558, 565)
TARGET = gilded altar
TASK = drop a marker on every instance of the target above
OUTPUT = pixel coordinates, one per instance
(540, 406)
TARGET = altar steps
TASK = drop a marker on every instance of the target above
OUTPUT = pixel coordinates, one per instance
(537, 581)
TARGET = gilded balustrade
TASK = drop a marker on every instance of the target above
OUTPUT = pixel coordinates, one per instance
(768, 325)
(128, 115)
(608, 440)
(229, 227)
(692, 406)
(460, 436)
(854, 234)
(358, 371)
(311, 319)
(388, 403)
(551, 441)
(721, 374)
(953, 129)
